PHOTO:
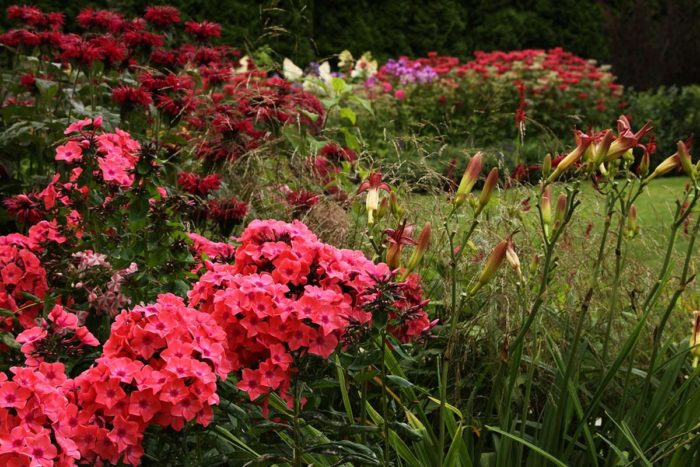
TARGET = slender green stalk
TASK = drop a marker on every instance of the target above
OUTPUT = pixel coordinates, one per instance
(631, 341)
(385, 404)
(518, 345)
(683, 283)
(298, 450)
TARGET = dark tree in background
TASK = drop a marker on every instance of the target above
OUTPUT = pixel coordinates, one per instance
(654, 43)
(648, 42)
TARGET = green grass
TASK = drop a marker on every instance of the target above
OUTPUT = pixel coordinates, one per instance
(643, 255)
(655, 208)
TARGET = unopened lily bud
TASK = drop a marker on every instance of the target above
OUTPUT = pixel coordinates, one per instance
(695, 338)
(546, 208)
(547, 166)
(602, 148)
(534, 264)
(632, 227)
(667, 165)
(583, 141)
(603, 170)
(560, 211)
(644, 165)
(628, 156)
(513, 260)
(396, 209)
(383, 208)
(487, 191)
(469, 179)
(393, 255)
(686, 161)
(421, 247)
(493, 262)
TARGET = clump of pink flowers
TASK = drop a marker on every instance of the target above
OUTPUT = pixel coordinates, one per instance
(22, 273)
(288, 294)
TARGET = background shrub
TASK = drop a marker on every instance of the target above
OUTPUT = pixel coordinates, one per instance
(675, 111)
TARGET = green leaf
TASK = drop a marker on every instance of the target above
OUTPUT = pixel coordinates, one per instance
(453, 457)
(538, 450)
(351, 140)
(627, 433)
(347, 112)
(339, 85)
(364, 103)
(9, 340)
(47, 89)
(138, 214)
(343, 389)
(399, 381)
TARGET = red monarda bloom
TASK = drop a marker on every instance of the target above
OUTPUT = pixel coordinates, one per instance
(100, 19)
(129, 97)
(143, 39)
(336, 154)
(25, 208)
(301, 201)
(34, 17)
(230, 211)
(204, 30)
(162, 16)
(197, 185)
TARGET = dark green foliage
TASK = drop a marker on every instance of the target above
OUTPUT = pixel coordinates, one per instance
(307, 29)
(675, 112)
(636, 36)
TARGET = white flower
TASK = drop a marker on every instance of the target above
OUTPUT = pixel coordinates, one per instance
(324, 72)
(244, 65)
(345, 59)
(290, 71)
(365, 66)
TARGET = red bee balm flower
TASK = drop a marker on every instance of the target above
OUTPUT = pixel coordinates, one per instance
(204, 30)
(162, 16)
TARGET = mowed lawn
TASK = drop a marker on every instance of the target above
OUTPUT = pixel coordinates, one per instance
(655, 209)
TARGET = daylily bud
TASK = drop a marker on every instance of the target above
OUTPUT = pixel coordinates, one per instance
(632, 227)
(628, 156)
(560, 211)
(686, 160)
(602, 148)
(546, 208)
(534, 264)
(670, 163)
(583, 141)
(383, 208)
(644, 165)
(492, 264)
(393, 255)
(469, 179)
(547, 166)
(489, 185)
(513, 260)
(421, 248)
(394, 205)
(695, 338)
